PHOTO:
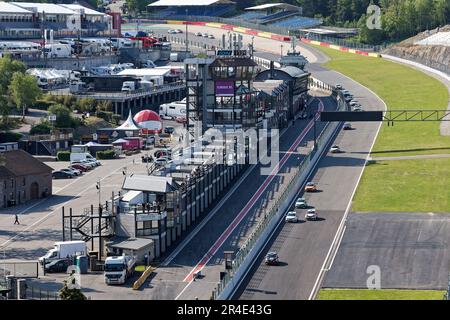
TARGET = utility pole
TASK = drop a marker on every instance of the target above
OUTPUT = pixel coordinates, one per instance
(99, 188)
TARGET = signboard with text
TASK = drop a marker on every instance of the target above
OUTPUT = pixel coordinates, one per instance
(224, 88)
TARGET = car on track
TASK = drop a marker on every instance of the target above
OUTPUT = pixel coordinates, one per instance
(179, 31)
(357, 108)
(271, 258)
(354, 103)
(310, 187)
(62, 175)
(335, 149)
(172, 31)
(205, 35)
(301, 203)
(211, 36)
(311, 214)
(347, 126)
(291, 217)
(198, 34)
(338, 87)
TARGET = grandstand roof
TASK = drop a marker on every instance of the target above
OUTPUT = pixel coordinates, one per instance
(48, 8)
(285, 6)
(178, 3)
(87, 11)
(6, 7)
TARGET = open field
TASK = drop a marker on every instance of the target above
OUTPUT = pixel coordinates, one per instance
(350, 294)
(405, 186)
(401, 88)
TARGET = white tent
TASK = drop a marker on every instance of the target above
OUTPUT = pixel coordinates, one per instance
(129, 124)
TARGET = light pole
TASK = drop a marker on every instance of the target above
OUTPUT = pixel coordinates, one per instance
(99, 188)
(186, 32)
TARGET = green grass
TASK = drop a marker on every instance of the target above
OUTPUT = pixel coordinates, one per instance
(420, 185)
(401, 88)
(365, 294)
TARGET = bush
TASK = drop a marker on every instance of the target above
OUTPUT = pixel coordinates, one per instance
(63, 156)
(43, 104)
(9, 137)
(105, 115)
(115, 119)
(106, 154)
(41, 128)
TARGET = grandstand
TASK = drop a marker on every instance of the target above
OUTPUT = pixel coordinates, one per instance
(278, 15)
(437, 39)
(175, 9)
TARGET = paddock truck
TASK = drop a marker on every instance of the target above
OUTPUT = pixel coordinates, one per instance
(119, 269)
(64, 249)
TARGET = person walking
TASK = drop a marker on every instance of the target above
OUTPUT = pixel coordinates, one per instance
(16, 220)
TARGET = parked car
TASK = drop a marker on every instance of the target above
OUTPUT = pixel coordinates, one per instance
(75, 172)
(347, 126)
(169, 130)
(338, 87)
(272, 258)
(301, 203)
(181, 119)
(83, 163)
(291, 217)
(59, 265)
(335, 149)
(162, 153)
(311, 214)
(62, 175)
(310, 187)
(162, 161)
(80, 167)
(357, 109)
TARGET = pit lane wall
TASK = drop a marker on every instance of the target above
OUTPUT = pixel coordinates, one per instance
(252, 248)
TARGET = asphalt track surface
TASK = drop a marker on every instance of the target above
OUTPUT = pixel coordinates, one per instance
(302, 247)
(411, 250)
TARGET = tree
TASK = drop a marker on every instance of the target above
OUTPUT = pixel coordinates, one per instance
(41, 128)
(24, 91)
(7, 68)
(71, 294)
(64, 117)
(4, 110)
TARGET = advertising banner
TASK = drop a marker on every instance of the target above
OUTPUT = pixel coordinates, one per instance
(224, 88)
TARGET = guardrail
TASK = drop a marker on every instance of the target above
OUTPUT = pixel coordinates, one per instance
(244, 258)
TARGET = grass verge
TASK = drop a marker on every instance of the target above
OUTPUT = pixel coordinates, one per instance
(401, 88)
(405, 186)
(365, 294)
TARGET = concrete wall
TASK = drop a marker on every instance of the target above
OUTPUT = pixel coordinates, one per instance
(125, 225)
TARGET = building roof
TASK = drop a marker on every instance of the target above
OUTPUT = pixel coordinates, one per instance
(20, 163)
(6, 7)
(267, 86)
(285, 6)
(233, 62)
(48, 8)
(87, 11)
(130, 243)
(178, 3)
(145, 72)
(149, 183)
(293, 71)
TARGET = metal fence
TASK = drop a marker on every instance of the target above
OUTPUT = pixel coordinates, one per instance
(35, 293)
(22, 269)
(427, 62)
(271, 211)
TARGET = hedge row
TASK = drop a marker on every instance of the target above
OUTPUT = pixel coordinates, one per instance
(63, 156)
(106, 154)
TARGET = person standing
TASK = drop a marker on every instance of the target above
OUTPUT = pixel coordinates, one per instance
(16, 220)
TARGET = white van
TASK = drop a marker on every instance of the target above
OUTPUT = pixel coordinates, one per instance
(58, 50)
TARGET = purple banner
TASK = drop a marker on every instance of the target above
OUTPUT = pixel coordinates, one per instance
(224, 88)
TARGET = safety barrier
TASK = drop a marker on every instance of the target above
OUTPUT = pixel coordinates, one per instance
(246, 255)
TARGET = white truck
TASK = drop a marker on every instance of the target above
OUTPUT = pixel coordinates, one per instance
(128, 86)
(173, 109)
(119, 269)
(58, 50)
(79, 156)
(64, 249)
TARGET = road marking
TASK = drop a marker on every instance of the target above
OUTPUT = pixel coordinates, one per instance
(338, 237)
(219, 242)
(4, 244)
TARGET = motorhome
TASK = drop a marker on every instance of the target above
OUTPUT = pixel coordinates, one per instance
(173, 109)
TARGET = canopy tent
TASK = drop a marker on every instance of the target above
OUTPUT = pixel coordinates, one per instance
(120, 141)
(129, 124)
